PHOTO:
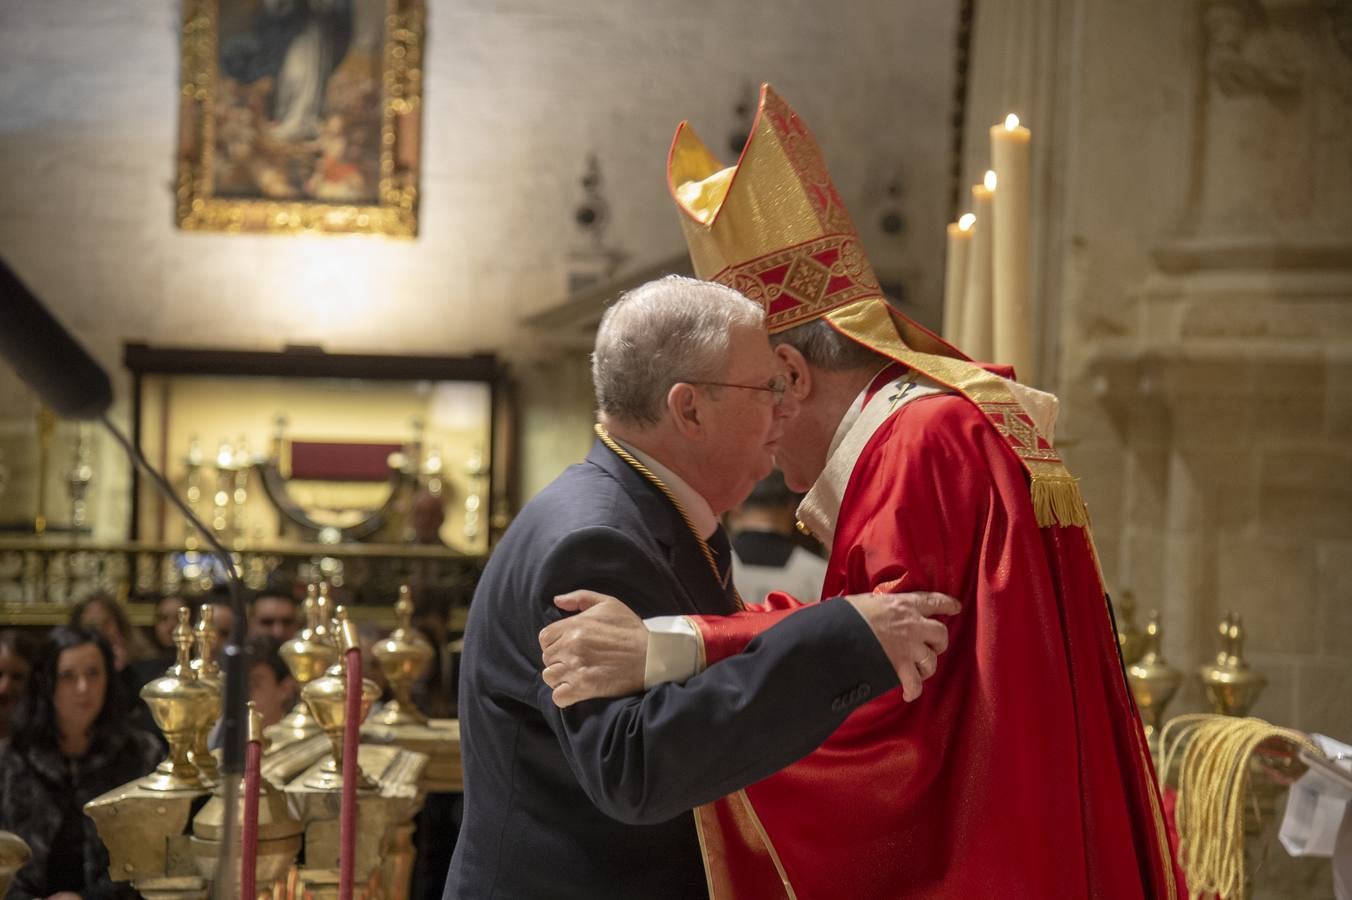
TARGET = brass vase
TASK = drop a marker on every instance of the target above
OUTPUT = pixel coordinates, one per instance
(182, 706)
(1130, 640)
(327, 699)
(209, 675)
(1231, 685)
(307, 655)
(14, 853)
(402, 657)
(1153, 681)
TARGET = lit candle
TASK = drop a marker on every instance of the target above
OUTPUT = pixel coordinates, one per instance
(1013, 337)
(977, 315)
(955, 274)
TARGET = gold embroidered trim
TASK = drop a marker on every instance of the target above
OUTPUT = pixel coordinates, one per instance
(666, 492)
(698, 814)
(1056, 493)
(769, 845)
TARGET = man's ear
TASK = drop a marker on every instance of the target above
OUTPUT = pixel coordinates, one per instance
(684, 408)
(796, 368)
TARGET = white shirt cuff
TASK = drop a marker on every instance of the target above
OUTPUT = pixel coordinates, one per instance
(673, 650)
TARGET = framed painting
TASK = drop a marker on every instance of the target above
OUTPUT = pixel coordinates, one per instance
(300, 116)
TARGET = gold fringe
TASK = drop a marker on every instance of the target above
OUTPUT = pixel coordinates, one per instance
(1057, 501)
(1213, 781)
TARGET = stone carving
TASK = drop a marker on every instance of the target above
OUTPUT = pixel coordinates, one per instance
(1241, 57)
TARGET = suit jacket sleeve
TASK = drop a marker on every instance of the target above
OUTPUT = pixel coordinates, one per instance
(648, 758)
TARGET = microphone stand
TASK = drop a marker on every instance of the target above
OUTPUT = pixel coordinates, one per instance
(233, 709)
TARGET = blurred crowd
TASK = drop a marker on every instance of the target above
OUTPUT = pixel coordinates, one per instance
(73, 726)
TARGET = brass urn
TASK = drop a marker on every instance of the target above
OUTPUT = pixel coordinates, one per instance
(182, 706)
(1231, 685)
(1153, 681)
(307, 655)
(1130, 640)
(327, 699)
(402, 657)
(209, 675)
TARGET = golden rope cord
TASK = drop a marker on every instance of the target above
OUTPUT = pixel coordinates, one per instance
(666, 492)
(1213, 782)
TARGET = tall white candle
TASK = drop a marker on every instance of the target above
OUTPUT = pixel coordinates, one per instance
(955, 274)
(977, 325)
(1013, 337)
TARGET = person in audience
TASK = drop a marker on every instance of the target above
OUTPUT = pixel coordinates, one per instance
(271, 685)
(274, 613)
(222, 614)
(16, 662)
(163, 652)
(106, 617)
(766, 556)
(101, 613)
(71, 742)
(166, 618)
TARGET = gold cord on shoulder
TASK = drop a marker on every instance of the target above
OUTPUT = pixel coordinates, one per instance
(666, 492)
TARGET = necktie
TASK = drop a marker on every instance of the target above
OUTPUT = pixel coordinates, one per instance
(722, 550)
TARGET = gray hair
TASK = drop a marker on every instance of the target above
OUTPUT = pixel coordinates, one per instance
(667, 331)
(825, 348)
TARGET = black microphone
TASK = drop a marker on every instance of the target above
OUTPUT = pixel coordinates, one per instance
(72, 384)
(46, 357)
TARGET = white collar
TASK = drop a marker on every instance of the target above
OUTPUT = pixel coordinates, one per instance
(852, 414)
(696, 507)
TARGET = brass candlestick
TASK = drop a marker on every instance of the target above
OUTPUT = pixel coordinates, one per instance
(1153, 681)
(182, 706)
(327, 699)
(403, 657)
(1129, 638)
(307, 655)
(209, 675)
(1230, 684)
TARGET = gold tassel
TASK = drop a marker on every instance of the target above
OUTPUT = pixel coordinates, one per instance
(1213, 781)
(1057, 501)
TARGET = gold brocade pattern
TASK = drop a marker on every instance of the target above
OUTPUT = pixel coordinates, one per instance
(1056, 493)
(666, 492)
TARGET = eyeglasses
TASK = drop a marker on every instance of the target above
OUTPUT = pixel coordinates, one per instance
(777, 386)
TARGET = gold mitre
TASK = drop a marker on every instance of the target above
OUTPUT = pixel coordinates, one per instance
(773, 226)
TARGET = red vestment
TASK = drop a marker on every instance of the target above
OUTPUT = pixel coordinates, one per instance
(1022, 770)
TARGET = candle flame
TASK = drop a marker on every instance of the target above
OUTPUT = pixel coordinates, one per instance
(1011, 122)
(966, 221)
(989, 180)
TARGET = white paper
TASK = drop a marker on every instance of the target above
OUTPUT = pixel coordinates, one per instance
(1317, 805)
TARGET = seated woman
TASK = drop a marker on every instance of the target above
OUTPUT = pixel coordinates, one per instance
(71, 742)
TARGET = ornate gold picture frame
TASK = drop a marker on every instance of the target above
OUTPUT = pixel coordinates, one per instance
(300, 116)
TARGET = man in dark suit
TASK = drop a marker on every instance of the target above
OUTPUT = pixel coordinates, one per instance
(594, 800)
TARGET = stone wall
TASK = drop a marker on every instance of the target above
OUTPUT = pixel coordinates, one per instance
(1194, 262)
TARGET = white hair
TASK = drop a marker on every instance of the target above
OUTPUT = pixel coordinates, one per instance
(667, 331)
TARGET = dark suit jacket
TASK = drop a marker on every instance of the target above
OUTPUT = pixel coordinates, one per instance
(593, 801)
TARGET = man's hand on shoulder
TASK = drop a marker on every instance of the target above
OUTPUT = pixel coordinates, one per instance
(600, 652)
(911, 639)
